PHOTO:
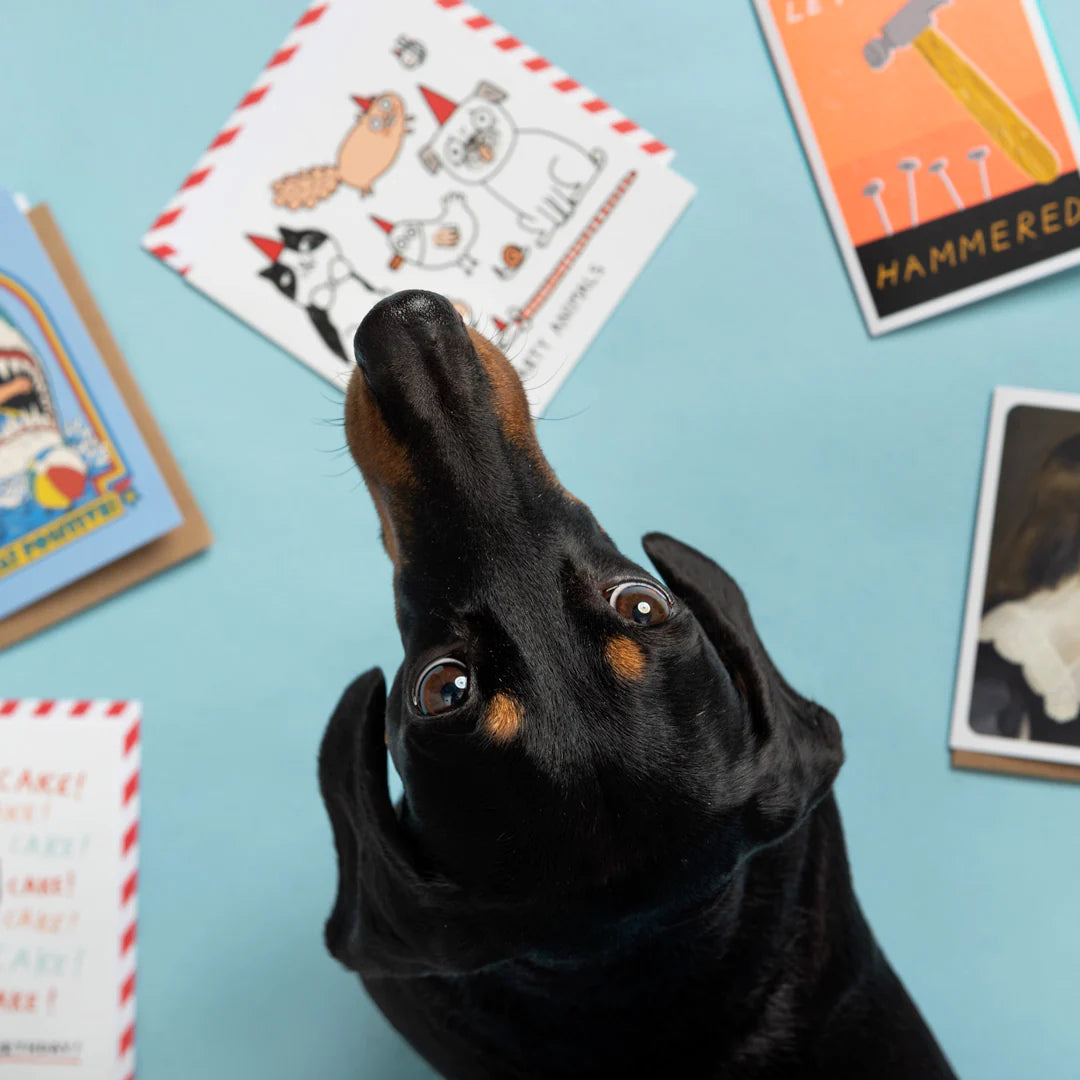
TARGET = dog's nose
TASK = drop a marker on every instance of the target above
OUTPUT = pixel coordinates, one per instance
(409, 326)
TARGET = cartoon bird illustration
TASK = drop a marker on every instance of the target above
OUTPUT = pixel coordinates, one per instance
(437, 243)
(308, 268)
(366, 152)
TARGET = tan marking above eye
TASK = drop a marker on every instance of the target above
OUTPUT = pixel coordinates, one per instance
(502, 720)
(626, 657)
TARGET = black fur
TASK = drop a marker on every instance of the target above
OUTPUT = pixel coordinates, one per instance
(650, 879)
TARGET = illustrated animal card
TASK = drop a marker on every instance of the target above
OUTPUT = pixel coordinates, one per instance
(188, 539)
(943, 141)
(419, 145)
(1017, 705)
(78, 487)
(69, 811)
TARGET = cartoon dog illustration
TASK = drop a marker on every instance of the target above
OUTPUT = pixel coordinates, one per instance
(438, 243)
(366, 153)
(35, 460)
(539, 175)
(308, 268)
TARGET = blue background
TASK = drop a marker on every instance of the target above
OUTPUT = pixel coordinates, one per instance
(734, 400)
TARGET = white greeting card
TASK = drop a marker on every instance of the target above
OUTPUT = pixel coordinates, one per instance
(419, 145)
(69, 804)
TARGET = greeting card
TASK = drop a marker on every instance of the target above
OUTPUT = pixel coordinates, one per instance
(419, 145)
(943, 141)
(69, 835)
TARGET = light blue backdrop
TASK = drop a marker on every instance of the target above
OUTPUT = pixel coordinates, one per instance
(734, 400)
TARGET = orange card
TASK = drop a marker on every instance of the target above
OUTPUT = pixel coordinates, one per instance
(944, 142)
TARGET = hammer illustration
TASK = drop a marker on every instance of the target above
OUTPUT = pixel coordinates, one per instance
(913, 25)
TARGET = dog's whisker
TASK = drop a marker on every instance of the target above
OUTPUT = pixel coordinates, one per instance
(539, 386)
(569, 416)
(338, 475)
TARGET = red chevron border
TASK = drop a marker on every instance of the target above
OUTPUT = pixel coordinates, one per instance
(157, 242)
(125, 712)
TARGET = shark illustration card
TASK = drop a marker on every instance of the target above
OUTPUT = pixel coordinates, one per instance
(78, 487)
(943, 140)
(419, 145)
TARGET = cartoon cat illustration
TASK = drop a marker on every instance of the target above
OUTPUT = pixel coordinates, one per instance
(308, 267)
(539, 175)
(368, 150)
(436, 243)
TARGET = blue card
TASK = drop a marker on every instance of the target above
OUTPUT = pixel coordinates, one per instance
(78, 487)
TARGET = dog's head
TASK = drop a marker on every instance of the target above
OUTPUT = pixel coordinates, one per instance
(580, 740)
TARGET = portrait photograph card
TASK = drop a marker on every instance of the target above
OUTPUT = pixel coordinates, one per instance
(1017, 702)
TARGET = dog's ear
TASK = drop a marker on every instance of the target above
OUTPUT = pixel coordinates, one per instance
(341, 761)
(391, 917)
(799, 748)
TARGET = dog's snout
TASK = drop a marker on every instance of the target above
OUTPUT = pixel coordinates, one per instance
(438, 421)
(411, 324)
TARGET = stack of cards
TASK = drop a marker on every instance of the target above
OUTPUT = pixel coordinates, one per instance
(90, 498)
(69, 812)
(944, 142)
(419, 145)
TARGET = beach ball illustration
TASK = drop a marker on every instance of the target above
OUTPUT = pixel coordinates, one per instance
(57, 477)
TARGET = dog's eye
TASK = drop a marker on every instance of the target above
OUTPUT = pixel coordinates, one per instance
(442, 686)
(643, 604)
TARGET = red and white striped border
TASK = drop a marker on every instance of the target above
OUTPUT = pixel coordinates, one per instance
(557, 79)
(126, 713)
(539, 298)
(159, 240)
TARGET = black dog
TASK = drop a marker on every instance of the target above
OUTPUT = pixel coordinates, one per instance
(617, 853)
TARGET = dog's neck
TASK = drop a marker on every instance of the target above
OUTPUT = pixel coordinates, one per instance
(735, 963)
(749, 924)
